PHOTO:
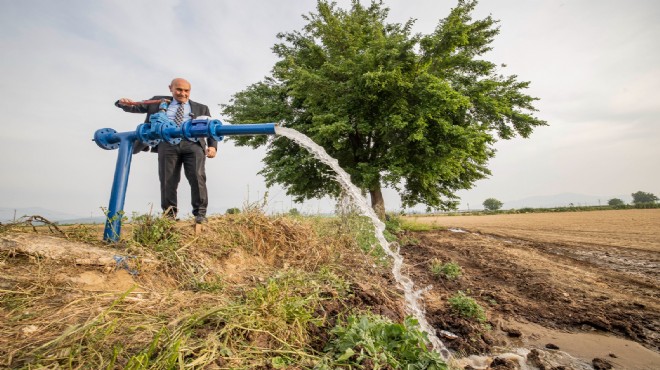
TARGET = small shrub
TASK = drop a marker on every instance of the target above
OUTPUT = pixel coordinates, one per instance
(449, 270)
(375, 341)
(393, 223)
(155, 232)
(467, 307)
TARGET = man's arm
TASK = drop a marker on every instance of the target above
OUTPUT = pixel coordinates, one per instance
(128, 105)
(143, 106)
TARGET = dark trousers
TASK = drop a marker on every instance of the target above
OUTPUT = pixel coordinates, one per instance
(191, 156)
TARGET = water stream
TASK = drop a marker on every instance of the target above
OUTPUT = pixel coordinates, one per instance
(412, 296)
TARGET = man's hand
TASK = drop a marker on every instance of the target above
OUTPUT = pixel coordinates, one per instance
(210, 152)
(125, 101)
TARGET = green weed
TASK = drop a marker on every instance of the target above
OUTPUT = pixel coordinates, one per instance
(375, 340)
(467, 307)
(449, 270)
(155, 232)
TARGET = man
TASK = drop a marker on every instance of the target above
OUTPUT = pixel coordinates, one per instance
(191, 155)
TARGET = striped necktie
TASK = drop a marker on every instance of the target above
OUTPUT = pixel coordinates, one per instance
(178, 117)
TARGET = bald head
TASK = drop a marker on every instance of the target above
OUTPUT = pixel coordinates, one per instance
(180, 89)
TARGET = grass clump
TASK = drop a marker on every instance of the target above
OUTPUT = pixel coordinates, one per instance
(467, 307)
(448, 270)
(375, 342)
(156, 232)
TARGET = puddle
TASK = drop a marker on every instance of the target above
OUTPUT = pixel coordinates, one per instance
(584, 347)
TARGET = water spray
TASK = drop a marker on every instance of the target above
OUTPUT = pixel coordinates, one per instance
(407, 285)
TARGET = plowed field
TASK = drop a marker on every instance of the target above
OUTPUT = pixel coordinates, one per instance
(543, 275)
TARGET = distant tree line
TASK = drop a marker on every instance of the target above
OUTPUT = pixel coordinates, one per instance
(641, 199)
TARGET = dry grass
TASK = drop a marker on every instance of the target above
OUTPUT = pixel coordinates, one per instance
(248, 292)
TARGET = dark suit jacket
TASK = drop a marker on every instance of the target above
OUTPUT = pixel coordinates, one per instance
(196, 110)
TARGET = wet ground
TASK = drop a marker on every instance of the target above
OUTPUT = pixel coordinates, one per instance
(596, 300)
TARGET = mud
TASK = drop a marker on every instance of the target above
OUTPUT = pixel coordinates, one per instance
(536, 290)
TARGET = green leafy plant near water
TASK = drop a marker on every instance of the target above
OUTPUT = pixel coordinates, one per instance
(375, 340)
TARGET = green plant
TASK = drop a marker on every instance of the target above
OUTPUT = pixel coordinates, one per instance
(467, 307)
(156, 232)
(375, 340)
(449, 270)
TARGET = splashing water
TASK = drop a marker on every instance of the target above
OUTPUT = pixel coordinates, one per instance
(412, 297)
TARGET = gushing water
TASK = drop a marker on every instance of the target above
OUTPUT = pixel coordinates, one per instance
(407, 285)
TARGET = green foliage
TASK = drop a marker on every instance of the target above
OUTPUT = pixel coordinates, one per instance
(294, 212)
(641, 197)
(412, 225)
(155, 232)
(393, 223)
(492, 204)
(616, 202)
(467, 307)
(374, 340)
(449, 270)
(419, 113)
(233, 211)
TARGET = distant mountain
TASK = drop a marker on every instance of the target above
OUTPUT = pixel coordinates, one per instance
(563, 200)
(8, 214)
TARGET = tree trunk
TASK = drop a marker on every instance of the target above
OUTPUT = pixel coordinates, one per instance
(377, 202)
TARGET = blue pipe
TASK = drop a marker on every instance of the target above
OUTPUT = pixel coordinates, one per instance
(112, 229)
(159, 128)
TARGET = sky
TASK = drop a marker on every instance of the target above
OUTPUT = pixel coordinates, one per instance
(594, 65)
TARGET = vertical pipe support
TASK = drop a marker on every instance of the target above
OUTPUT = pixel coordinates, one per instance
(115, 214)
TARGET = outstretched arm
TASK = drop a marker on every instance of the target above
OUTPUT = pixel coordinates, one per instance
(131, 106)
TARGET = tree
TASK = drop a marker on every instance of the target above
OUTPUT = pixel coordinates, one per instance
(492, 204)
(417, 113)
(641, 197)
(616, 202)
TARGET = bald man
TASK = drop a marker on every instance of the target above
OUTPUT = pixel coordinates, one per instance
(187, 154)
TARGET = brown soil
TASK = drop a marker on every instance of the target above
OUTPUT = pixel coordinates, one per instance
(587, 272)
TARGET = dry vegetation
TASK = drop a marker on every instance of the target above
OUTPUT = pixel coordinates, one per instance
(250, 291)
(258, 292)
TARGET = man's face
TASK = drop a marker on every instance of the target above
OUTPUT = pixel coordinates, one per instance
(180, 90)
